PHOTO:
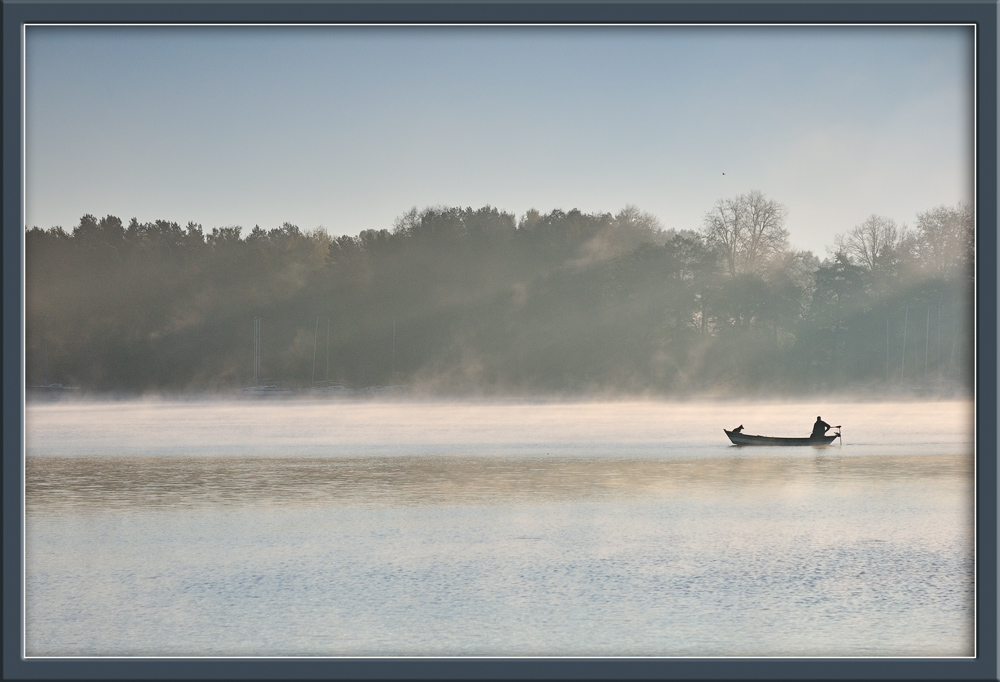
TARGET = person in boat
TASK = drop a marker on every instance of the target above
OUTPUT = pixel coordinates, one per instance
(820, 428)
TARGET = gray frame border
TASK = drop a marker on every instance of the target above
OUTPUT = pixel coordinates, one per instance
(983, 13)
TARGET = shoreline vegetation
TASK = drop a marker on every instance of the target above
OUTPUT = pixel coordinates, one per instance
(482, 303)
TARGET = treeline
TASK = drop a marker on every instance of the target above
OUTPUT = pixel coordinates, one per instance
(464, 300)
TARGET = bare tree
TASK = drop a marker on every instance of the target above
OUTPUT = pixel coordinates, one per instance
(946, 239)
(748, 230)
(871, 243)
(406, 223)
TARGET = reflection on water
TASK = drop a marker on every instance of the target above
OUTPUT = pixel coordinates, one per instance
(514, 530)
(58, 485)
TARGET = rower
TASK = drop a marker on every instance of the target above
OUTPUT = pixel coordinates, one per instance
(820, 428)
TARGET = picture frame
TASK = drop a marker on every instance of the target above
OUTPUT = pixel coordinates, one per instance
(982, 14)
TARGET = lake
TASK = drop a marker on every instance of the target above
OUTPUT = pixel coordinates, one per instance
(364, 528)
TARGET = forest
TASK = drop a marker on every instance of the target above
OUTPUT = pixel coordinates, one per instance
(463, 301)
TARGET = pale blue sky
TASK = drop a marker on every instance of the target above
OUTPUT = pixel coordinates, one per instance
(347, 128)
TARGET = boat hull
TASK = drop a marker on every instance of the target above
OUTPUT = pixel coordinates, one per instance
(747, 439)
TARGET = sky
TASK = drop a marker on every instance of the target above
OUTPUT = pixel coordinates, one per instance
(347, 128)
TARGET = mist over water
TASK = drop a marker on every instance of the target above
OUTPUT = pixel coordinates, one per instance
(365, 429)
(506, 528)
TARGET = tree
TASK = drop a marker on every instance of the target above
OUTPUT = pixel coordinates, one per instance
(748, 231)
(872, 244)
(224, 237)
(632, 227)
(946, 240)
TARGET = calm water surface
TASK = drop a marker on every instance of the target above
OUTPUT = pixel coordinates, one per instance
(360, 528)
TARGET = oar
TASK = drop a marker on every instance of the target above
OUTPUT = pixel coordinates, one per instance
(839, 431)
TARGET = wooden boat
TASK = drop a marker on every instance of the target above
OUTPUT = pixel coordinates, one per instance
(746, 439)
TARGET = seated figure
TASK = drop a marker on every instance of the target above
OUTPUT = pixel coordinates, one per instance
(819, 428)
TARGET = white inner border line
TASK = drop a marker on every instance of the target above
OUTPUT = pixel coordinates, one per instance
(975, 318)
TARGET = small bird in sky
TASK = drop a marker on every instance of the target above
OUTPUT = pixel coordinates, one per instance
(723, 173)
